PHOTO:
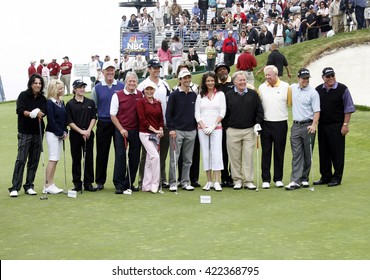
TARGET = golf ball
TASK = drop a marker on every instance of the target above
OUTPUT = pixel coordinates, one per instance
(256, 190)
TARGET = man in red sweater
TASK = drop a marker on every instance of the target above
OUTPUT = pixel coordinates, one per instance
(229, 48)
(246, 62)
(31, 69)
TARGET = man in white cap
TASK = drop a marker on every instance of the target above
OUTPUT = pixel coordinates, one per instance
(182, 126)
(32, 68)
(229, 48)
(102, 94)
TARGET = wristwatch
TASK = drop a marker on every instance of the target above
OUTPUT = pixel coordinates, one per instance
(345, 124)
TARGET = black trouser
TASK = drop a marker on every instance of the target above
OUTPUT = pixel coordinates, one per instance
(105, 132)
(225, 173)
(29, 150)
(194, 169)
(121, 178)
(273, 139)
(229, 59)
(331, 151)
(77, 149)
(360, 17)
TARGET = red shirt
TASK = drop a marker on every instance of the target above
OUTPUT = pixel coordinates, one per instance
(31, 70)
(127, 115)
(54, 68)
(246, 61)
(230, 45)
(67, 71)
(39, 69)
(149, 114)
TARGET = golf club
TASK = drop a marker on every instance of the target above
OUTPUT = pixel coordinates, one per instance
(45, 196)
(127, 162)
(312, 188)
(83, 166)
(175, 159)
(65, 169)
(210, 156)
(257, 162)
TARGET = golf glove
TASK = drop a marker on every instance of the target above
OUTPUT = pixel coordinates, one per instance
(34, 113)
(208, 130)
(257, 129)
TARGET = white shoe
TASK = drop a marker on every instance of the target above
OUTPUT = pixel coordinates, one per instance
(305, 184)
(52, 189)
(208, 186)
(217, 187)
(279, 184)
(237, 186)
(13, 194)
(173, 188)
(128, 192)
(250, 186)
(31, 192)
(292, 186)
(188, 187)
(265, 185)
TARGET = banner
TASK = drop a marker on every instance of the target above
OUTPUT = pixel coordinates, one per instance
(135, 43)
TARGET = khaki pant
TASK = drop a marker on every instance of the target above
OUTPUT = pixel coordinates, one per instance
(240, 147)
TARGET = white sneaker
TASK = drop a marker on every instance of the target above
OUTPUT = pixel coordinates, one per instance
(292, 186)
(52, 189)
(173, 188)
(13, 194)
(128, 192)
(188, 187)
(217, 187)
(208, 186)
(305, 184)
(279, 184)
(237, 186)
(31, 192)
(265, 185)
(250, 186)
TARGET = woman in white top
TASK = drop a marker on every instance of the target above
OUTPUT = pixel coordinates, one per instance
(210, 109)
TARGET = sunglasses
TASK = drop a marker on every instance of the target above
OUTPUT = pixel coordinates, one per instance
(330, 76)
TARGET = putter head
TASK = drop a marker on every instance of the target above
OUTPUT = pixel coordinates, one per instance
(44, 198)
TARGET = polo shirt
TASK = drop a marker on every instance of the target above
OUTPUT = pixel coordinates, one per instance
(305, 102)
(81, 113)
(150, 114)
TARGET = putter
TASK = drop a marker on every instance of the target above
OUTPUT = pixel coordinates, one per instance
(83, 166)
(175, 158)
(45, 196)
(65, 170)
(257, 162)
(312, 188)
(210, 156)
(127, 162)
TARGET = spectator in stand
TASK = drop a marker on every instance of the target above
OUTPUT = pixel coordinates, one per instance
(273, 12)
(124, 22)
(140, 66)
(265, 40)
(367, 15)
(218, 45)
(125, 67)
(221, 4)
(229, 48)
(349, 17)
(242, 40)
(360, 6)
(176, 49)
(210, 109)
(165, 58)
(279, 32)
(32, 69)
(335, 14)
(251, 16)
(252, 37)
(246, 62)
(193, 59)
(175, 11)
(54, 68)
(40, 66)
(296, 23)
(211, 54)
(133, 24)
(97, 58)
(166, 13)
(323, 18)
(105, 130)
(303, 10)
(126, 122)
(66, 69)
(195, 10)
(289, 33)
(158, 18)
(194, 36)
(270, 24)
(203, 6)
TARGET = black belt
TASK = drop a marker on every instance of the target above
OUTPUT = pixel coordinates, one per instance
(302, 122)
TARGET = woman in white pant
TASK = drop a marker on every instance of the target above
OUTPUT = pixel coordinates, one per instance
(176, 49)
(210, 109)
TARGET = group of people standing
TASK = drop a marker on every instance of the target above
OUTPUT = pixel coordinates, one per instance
(223, 118)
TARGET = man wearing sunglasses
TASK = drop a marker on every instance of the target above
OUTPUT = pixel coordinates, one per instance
(336, 109)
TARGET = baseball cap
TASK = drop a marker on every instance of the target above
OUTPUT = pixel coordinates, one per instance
(149, 83)
(108, 64)
(328, 71)
(220, 65)
(33, 61)
(303, 73)
(311, 7)
(248, 48)
(66, 57)
(78, 83)
(184, 73)
(154, 63)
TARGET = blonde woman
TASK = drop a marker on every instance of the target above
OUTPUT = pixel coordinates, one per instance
(56, 132)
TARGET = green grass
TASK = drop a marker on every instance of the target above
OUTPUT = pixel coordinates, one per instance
(329, 223)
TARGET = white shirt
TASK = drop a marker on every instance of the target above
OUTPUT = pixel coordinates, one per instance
(208, 110)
